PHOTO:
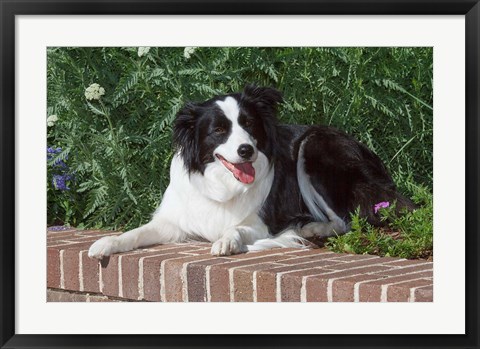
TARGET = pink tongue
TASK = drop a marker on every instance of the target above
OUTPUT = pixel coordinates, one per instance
(244, 172)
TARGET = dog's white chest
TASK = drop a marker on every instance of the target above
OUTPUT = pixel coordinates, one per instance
(207, 205)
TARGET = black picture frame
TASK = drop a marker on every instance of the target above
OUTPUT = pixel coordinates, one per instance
(10, 8)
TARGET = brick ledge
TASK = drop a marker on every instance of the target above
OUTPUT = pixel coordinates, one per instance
(187, 272)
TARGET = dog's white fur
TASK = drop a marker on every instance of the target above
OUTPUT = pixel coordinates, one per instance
(214, 206)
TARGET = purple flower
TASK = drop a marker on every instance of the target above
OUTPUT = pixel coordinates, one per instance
(59, 168)
(383, 204)
(58, 228)
(60, 181)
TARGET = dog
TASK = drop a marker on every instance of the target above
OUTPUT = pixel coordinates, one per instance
(244, 182)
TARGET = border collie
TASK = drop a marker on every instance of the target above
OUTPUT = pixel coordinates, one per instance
(243, 182)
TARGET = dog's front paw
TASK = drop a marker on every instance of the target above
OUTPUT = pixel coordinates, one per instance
(103, 247)
(228, 245)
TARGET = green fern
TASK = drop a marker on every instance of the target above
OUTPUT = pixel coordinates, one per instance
(122, 143)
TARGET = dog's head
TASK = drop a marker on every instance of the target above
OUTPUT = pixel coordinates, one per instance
(232, 131)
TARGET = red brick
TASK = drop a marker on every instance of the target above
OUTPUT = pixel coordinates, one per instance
(152, 273)
(70, 245)
(361, 262)
(400, 292)
(90, 273)
(78, 239)
(185, 273)
(307, 252)
(371, 291)
(61, 236)
(70, 263)
(60, 244)
(317, 285)
(258, 254)
(354, 257)
(130, 270)
(329, 258)
(424, 294)
(408, 262)
(290, 290)
(196, 278)
(130, 267)
(291, 286)
(243, 281)
(316, 290)
(53, 267)
(174, 282)
(343, 289)
(98, 233)
(407, 270)
(220, 275)
(197, 251)
(70, 269)
(66, 296)
(266, 287)
(109, 277)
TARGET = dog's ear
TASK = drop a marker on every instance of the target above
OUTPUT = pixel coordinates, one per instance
(263, 102)
(263, 98)
(184, 133)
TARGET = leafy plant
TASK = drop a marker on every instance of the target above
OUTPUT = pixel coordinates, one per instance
(407, 235)
(119, 143)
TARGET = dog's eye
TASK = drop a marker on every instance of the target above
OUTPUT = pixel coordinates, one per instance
(219, 130)
(248, 123)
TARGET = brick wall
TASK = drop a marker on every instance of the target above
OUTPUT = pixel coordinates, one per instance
(187, 272)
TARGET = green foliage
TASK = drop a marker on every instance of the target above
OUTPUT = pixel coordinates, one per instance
(119, 145)
(408, 235)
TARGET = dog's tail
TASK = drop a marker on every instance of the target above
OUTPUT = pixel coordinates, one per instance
(288, 238)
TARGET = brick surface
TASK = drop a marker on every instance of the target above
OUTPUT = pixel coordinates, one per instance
(90, 273)
(175, 276)
(197, 278)
(188, 272)
(220, 275)
(131, 280)
(245, 281)
(66, 296)
(152, 276)
(317, 285)
(401, 292)
(53, 269)
(372, 291)
(424, 294)
(109, 276)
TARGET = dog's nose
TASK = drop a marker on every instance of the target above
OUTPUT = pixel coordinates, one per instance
(245, 151)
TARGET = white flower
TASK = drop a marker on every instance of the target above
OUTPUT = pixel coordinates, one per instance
(143, 51)
(188, 51)
(51, 120)
(94, 91)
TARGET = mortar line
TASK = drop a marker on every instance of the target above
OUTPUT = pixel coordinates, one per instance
(100, 278)
(207, 283)
(141, 291)
(303, 290)
(62, 272)
(80, 271)
(120, 277)
(254, 286)
(184, 265)
(231, 284)
(384, 295)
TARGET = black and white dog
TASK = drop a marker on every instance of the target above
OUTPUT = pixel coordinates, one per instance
(244, 182)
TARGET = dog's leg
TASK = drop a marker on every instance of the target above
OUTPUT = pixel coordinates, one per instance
(155, 232)
(230, 243)
(236, 239)
(335, 226)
